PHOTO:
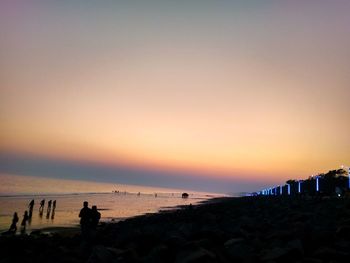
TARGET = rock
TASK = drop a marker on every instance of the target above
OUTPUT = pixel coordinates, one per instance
(273, 254)
(175, 241)
(343, 232)
(328, 254)
(157, 254)
(101, 254)
(283, 235)
(204, 243)
(184, 195)
(36, 233)
(312, 260)
(199, 255)
(293, 250)
(295, 247)
(233, 241)
(238, 249)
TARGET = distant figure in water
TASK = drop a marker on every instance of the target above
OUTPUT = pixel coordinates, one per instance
(85, 217)
(155, 195)
(185, 195)
(24, 222)
(49, 205)
(48, 209)
(31, 207)
(95, 217)
(138, 194)
(13, 227)
(42, 204)
(53, 209)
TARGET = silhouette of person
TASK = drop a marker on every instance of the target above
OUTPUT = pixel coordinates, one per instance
(42, 204)
(13, 227)
(94, 217)
(24, 222)
(48, 209)
(31, 206)
(49, 205)
(53, 209)
(85, 216)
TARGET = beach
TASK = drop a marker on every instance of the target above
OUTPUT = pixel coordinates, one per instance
(125, 201)
(246, 229)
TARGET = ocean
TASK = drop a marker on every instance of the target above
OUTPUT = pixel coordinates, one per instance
(114, 201)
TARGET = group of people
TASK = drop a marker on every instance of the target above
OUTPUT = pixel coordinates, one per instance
(89, 219)
(50, 204)
(27, 216)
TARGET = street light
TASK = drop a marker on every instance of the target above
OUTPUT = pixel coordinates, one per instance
(317, 184)
(299, 186)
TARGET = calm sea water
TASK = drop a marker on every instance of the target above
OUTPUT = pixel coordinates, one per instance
(17, 191)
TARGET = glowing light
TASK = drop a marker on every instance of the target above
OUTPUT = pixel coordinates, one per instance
(317, 184)
(281, 190)
(299, 186)
(288, 185)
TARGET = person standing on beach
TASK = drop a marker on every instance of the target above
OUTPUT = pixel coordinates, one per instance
(49, 206)
(53, 209)
(31, 207)
(24, 222)
(85, 217)
(95, 217)
(13, 227)
(42, 204)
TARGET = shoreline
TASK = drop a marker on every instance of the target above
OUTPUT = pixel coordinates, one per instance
(244, 229)
(57, 229)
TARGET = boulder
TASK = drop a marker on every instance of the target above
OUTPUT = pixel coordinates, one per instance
(158, 254)
(343, 231)
(238, 249)
(198, 255)
(101, 254)
(293, 250)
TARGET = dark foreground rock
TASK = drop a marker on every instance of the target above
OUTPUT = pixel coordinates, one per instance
(251, 229)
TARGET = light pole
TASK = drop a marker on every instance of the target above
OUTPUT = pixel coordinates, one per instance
(299, 186)
(317, 184)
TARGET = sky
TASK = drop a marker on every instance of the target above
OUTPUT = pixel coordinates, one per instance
(222, 96)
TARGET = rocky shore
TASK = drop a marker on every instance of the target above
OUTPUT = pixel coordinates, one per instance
(248, 229)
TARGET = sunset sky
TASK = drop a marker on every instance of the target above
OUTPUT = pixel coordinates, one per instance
(208, 95)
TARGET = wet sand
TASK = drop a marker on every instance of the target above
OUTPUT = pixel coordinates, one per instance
(249, 229)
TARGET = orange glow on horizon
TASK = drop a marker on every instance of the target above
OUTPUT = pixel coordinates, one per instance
(238, 90)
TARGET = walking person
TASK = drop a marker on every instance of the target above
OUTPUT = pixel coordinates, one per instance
(53, 209)
(42, 204)
(24, 222)
(31, 207)
(48, 209)
(13, 227)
